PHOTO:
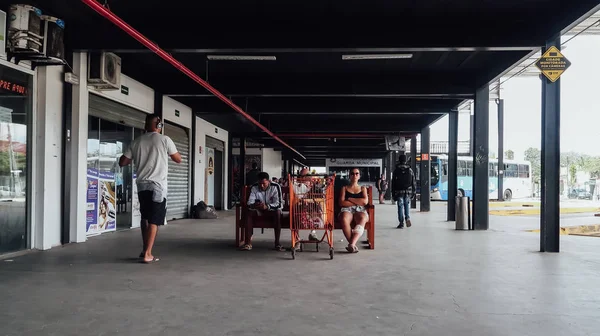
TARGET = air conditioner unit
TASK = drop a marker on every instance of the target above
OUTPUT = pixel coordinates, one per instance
(25, 30)
(53, 30)
(104, 71)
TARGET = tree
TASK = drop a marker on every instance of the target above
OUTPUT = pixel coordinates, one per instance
(534, 156)
(509, 154)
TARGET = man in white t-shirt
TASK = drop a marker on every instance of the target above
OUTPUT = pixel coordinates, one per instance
(150, 153)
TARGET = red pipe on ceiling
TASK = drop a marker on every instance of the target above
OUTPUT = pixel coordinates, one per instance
(93, 4)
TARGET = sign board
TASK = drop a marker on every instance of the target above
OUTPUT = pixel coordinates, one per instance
(425, 157)
(354, 162)
(125, 90)
(177, 113)
(395, 143)
(553, 64)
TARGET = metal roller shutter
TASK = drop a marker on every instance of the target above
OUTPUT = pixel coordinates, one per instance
(112, 111)
(179, 175)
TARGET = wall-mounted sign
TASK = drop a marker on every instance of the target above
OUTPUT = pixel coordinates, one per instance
(125, 90)
(216, 130)
(199, 149)
(425, 157)
(13, 87)
(335, 162)
(553, 64)
(177, 113)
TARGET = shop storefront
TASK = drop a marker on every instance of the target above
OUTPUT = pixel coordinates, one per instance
(111, 193)
(16, 92)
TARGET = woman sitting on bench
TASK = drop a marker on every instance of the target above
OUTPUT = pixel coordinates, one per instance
(353, 216)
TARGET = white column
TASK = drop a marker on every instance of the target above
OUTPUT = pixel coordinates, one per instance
(46, 211)
(78, 142)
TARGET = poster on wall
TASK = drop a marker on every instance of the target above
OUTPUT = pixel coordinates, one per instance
(101, 213)
(136, 215)
(209, 178)
(92, 198)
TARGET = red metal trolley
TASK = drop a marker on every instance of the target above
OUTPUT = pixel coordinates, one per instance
(311, 208)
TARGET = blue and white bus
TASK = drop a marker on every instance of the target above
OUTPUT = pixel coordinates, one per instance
(517, 178)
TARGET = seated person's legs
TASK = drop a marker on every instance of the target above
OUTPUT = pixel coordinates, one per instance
(360, 220)
(275, 218)
(346, 220)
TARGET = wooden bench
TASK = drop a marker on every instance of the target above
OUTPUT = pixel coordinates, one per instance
(241, 213)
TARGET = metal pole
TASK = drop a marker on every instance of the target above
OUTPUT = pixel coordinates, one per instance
(425, 171)
(452, 164)
(481, 190)
(413, 165)
(550, 197)
(500, 103)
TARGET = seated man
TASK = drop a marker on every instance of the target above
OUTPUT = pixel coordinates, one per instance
(265, 202)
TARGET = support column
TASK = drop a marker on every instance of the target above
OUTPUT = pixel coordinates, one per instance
(158, 104)
(230, 169)
(452, 164)
(389, 168)
(472, 130)
(481, 148)
(500, 149)
(242, 176)
(78, 148)
(550, 179)
(425, 171)
(413, 165)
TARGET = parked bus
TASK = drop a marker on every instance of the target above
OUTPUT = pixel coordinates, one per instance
(517, 182)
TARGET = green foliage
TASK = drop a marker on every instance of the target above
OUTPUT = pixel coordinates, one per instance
(534, 156)
(509, 154)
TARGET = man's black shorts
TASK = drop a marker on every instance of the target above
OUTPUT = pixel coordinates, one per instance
(153, 212)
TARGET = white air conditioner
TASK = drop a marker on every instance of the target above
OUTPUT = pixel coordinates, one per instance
(104, 71)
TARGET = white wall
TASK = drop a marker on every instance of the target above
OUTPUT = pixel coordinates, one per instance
(271, 162)
(170, 106)
(140, 96)
(204, 128)
(48, 128)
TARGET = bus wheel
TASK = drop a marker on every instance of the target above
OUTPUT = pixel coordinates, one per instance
(460, 193)
(507, 195)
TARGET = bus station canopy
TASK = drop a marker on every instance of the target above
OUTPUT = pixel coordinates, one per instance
(345, 72)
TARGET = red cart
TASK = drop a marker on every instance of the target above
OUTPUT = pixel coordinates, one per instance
(311, 208)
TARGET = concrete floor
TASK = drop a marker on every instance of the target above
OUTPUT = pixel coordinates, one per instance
(426, 280)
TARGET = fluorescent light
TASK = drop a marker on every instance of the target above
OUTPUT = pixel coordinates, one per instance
(240, 58)
(375, 56)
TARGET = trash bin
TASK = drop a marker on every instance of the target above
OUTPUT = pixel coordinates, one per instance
(463, 213)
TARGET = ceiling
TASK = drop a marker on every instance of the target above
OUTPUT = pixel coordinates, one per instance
(451, 49)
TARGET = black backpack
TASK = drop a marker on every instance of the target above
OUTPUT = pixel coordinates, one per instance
(403, 179)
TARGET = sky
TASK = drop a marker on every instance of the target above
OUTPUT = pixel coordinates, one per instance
(580, 110)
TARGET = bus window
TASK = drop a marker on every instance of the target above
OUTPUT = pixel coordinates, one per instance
(523, 171)
(469, 171)
(493, 169)
(462, 168)
(511, 170)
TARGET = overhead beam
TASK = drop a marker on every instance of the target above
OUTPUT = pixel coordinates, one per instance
(324, 32)
(319, 105)
(453, 85)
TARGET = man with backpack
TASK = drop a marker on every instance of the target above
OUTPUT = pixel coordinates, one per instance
(404, 186)
(382, 187)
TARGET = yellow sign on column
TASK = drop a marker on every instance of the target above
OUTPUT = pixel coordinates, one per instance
(553, 64)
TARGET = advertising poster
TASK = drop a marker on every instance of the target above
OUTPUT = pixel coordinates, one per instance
(104, 217)
(136, 216)
(92, 199)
